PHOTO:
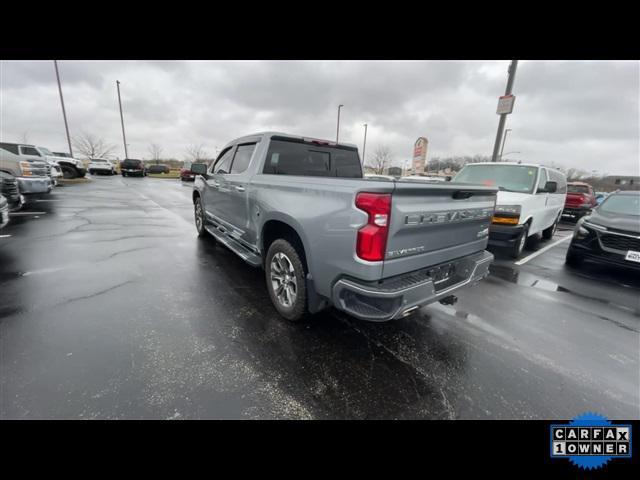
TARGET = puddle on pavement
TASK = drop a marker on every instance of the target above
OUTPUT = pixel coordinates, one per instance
(528, 280)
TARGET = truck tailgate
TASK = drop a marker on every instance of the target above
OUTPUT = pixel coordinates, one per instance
(435, 223)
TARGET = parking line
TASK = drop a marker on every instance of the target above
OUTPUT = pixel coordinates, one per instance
(5, 236)
(542, 250)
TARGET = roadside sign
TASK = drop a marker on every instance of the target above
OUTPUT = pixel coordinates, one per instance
(505, 104)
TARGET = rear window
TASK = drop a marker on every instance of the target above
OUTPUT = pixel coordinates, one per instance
(297, 157)
(577, 189)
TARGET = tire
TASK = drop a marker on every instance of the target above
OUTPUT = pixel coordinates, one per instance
(68, 172)
(198, 214)
(520, 243)
(283, 265)
(548, 233)
(572, 259)
(124, 174)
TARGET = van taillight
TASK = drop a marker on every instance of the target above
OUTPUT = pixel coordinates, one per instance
(372, 238)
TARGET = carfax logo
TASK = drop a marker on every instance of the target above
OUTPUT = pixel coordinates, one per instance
(590, 441)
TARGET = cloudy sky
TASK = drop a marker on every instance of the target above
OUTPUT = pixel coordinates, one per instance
(571, 114)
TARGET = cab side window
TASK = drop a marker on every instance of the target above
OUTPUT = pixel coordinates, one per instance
(560, 180)
(30, 151)
(223, 163)
(542, 179)
(242, 157)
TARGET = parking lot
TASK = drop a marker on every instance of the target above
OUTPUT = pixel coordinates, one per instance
(111, 307)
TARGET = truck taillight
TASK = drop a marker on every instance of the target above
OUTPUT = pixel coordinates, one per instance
(372, 238)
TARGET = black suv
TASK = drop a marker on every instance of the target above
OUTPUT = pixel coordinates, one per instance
(133, 167)
(610, 234)
(158, 169)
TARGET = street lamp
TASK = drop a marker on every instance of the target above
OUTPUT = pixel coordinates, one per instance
(338, 128)
(124, 138)
(364, 145)
(504, 139)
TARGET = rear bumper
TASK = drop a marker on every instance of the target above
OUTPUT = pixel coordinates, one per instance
(29, 185)
(393, 297)
(574, 212)
(504, 235)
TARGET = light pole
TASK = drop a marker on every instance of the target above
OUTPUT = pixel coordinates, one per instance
(124, 138)
(64, 113)
(338, 128)
(504, 139)
(364, 145)
(503, 117)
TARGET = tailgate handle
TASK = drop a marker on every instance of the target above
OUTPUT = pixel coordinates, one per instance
(461, 194)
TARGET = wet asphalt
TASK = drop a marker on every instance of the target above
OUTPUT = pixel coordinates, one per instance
(112, 308)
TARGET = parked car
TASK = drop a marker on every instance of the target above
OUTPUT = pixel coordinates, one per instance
(158, 168)
(423, 178)
(4, 211)
(101, 166)
(530, 200)
(580, 200)
(70, 167)
(610, 234)
(600, 196)
(9, 188)
(186, 174)
(301, 209)
(32, 175)
(375, 176)
(133, 167)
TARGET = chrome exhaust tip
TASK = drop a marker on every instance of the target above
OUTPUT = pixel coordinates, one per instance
(409, 311)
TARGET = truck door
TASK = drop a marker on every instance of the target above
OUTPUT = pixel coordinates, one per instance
(237, 203)
(215, 193)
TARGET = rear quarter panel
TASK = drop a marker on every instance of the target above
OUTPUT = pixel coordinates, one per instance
(323, 212)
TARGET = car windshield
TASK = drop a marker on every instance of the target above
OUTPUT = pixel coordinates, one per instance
(621, 204)
(45, 151)
(512, 178)
(97, 160)
(577, 189)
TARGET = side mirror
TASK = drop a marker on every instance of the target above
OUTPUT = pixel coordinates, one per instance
(199, 169)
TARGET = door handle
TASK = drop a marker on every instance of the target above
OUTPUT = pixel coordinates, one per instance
(239, 188)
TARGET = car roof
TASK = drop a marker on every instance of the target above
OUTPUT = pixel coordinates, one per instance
(626, 192)
(270, 134)
(579, 183)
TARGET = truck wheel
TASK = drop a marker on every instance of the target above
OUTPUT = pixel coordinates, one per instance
(199, 217)
(68, 172)
(551, 231)
(285, 277)
(518, 247)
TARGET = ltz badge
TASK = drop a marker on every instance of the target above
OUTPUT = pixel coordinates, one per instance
(590, 441)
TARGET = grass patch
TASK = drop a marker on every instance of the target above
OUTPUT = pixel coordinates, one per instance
(72, 181)
(171, 174)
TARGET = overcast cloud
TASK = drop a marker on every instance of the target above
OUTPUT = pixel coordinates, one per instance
(570, 114)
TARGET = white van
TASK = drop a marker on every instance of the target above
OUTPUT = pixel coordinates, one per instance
(530, 200)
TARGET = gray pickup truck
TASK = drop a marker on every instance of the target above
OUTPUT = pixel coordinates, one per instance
(376, 249)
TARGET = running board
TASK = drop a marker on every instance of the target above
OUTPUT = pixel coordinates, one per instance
(244, 253)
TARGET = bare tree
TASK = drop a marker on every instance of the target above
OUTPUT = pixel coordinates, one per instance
(156, 151)
(90, 146)
(196, 153)
(24, 138)
(381, 160)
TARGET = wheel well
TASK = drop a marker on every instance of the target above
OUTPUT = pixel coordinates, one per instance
(196, 195)
(275, 229)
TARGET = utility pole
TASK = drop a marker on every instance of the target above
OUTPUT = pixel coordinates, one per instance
(124, 138)
(64, 113)
(503, 117)
(364, 145)
(338, 128)
(504, 139)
